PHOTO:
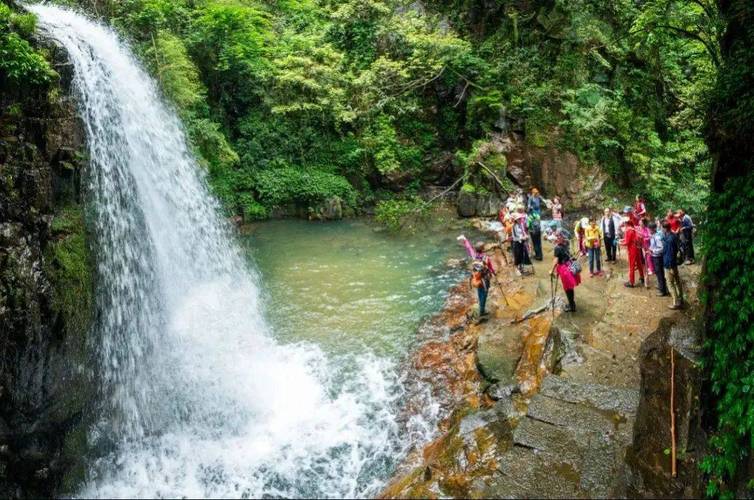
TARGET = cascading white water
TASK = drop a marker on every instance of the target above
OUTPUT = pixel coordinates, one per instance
(198, 400)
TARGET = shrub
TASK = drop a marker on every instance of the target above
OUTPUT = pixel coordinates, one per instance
(284, 186)
(401, 213)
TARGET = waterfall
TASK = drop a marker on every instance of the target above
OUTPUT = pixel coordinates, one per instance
(197, 398)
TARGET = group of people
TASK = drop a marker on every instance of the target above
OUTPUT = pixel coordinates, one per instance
(654, 247)
(521, 219)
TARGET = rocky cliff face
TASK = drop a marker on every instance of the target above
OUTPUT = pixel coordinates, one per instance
(508, 161)
(45, 284)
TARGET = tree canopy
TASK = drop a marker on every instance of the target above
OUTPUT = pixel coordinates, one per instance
(380, 92)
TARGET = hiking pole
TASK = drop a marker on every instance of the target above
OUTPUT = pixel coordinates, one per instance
(552, 295)
(527, 249)
(505, 297)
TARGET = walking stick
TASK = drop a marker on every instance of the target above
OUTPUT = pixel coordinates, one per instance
(672, 413)
(552, 295)
(528, 254)
(505, 297)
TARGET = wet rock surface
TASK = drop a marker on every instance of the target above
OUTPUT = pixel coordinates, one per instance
(568, 386)
(43, 377)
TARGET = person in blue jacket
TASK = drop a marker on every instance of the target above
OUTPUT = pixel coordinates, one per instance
(670, 263)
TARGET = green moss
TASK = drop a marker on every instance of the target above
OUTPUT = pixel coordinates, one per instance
(69, 268)
(468, 188)
(75, 448)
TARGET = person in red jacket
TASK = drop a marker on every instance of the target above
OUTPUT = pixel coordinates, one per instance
(640, 208)
(633, 243)
(675, 224)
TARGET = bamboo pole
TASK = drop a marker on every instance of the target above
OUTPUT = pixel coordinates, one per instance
(673, 471)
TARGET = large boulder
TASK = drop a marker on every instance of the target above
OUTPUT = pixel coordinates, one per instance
(470, 204)
(466, 204)
(555, 171)
(648, 459)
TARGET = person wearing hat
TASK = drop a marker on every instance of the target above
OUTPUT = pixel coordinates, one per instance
(520, 238)
(481, 272)
(561, 267)
(629, 213)
(579, 232)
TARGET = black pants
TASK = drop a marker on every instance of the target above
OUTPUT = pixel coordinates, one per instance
(662, 284)
(536, 242)
(687, 243)
(571, 299)
(610, 248)
(520, 254)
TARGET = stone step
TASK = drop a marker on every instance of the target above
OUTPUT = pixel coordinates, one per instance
(616, 399)
(528, 473)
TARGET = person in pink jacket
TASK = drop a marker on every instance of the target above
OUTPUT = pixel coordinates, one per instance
(646, 236)
(481, 273)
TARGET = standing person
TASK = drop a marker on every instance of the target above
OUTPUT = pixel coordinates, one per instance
(593, 237)
(640, 209)
(670, 263)
(675, 224)
(561, 266)
(609, 227)
(687, 236)
(628, 212)
(645, 237)
(520, 241)
(482, 270)
(557, 211)
(656, 251)
(579, 232)
(535, 232)
(633, 243)
(534, 205)
(675, 228)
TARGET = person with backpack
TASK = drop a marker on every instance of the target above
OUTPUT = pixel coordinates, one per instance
(520, 238)
(670, 263)
(687, 237)
(534, 223)
(567, 269)
(633, 243)
(656, 251)
(482, 271)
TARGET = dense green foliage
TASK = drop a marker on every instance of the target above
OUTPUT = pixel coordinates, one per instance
(729, 273)
(386, 93)
(69, 268)
(20, 64)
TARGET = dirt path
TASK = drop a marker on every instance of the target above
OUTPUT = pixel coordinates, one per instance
(557, 393)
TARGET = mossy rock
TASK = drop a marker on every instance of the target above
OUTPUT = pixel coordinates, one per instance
(69, 267)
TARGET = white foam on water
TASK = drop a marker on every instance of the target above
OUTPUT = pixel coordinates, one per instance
(198, 399)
